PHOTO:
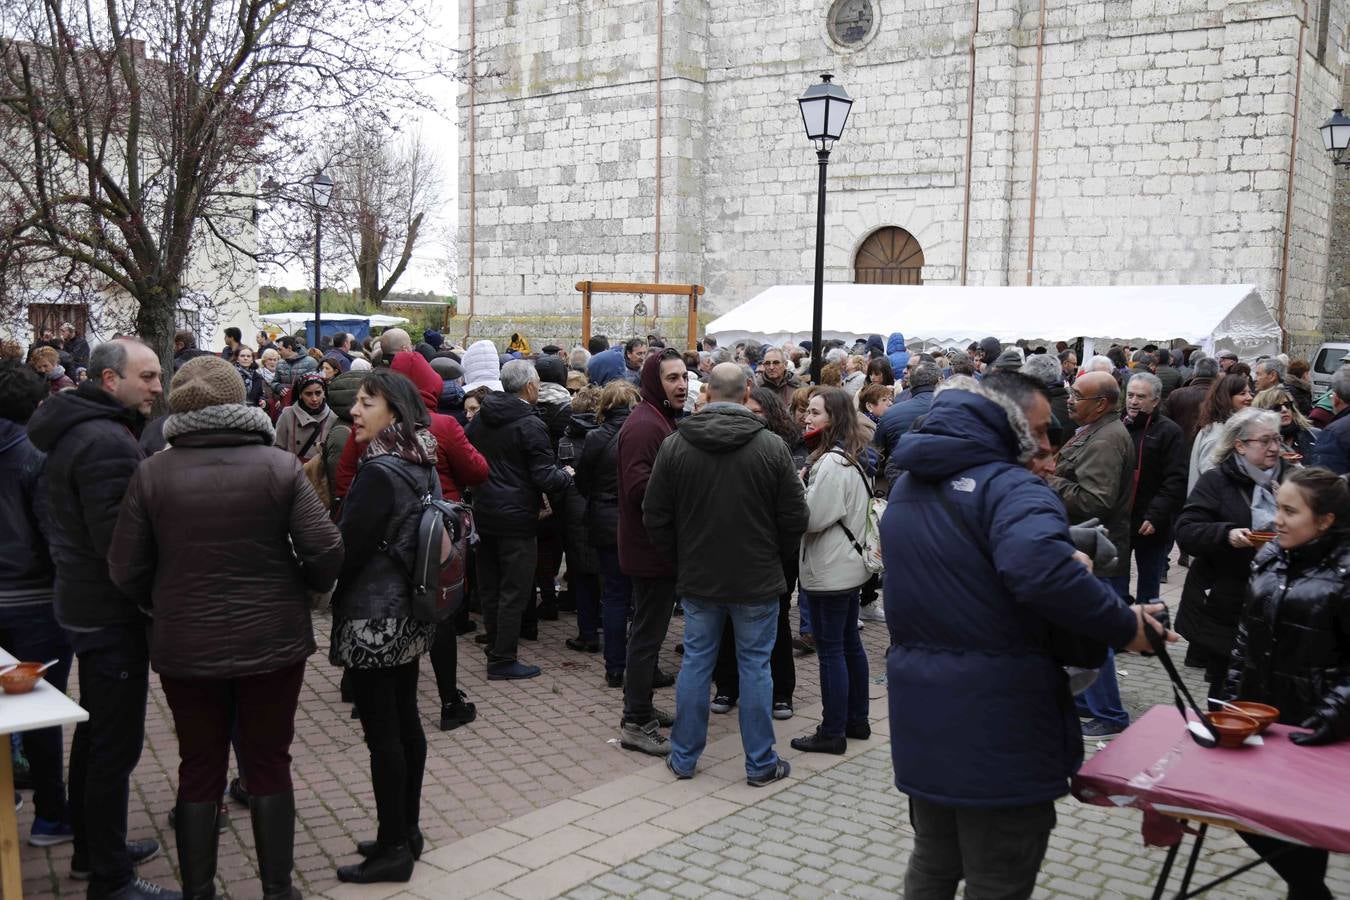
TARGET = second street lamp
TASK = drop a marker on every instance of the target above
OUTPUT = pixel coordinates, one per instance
(1336, 136)
(321, 189)
(825, 109)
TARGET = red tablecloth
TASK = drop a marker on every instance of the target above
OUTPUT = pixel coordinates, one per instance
(1279, 788)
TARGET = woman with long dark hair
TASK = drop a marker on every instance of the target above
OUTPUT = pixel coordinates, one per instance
(838, 491)
(1226, 396)
(305, 421)
(1293, 643)
(375, 636)
(879, 371)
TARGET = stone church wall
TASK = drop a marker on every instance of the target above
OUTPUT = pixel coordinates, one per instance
(1164, 145)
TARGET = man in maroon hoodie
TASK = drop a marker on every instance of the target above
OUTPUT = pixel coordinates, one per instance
(664, 383)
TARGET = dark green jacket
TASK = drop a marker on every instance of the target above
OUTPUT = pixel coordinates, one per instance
(726, 504)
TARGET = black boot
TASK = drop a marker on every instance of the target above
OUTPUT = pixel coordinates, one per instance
(393, 863)
(195, 827)
(415, 844)
(274, 837)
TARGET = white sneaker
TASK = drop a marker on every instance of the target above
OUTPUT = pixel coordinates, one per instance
(872, 612)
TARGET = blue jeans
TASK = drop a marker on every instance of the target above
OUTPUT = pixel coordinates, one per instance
(803, 611)
(616, 605)
(755, 625)
(31, 633)
(1150, 561)
(843, 662)
(1102, 699)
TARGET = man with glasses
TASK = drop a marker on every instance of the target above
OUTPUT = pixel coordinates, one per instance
(1333, 444)
(1095, 480)
(775, 375)
(1159, 484)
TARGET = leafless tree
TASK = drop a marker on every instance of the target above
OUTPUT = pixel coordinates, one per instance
(134, 133)
(386, 190)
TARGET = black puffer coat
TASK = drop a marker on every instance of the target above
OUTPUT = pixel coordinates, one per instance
(227, 590)
(26, 574)
(91, 444)
(1216, 583)
(1293, 646)
(598, 480)
(521, 465)
(575, 533)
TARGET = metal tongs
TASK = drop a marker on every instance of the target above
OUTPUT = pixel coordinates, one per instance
(1200, 730)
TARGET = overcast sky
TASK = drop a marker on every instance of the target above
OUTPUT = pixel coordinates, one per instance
(424, 272)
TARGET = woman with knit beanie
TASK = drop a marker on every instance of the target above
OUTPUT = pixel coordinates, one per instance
(303, 424)
(230, 652)
(375, 636)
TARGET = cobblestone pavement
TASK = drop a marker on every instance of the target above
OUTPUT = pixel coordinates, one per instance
(534, 742)
(535, 800)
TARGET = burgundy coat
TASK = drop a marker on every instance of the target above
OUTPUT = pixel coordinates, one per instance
(650, 423)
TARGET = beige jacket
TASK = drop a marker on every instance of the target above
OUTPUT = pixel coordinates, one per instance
(835, 492)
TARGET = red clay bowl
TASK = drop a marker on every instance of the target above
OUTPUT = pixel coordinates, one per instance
(1232, 728)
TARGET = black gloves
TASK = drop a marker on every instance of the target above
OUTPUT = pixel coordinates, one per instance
(1321, 733)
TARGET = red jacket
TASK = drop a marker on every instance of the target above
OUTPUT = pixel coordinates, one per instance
(458, 463)
(650, 423)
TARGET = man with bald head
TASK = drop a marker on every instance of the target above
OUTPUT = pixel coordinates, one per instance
(728, 566)
(394, 340)
(1095, 479)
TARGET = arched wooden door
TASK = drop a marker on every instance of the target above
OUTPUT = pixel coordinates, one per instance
(889, 256)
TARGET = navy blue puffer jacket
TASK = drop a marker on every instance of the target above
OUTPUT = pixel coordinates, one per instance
(981, 713)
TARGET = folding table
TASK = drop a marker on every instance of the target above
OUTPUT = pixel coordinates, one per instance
(43, 707)
(1274, 788)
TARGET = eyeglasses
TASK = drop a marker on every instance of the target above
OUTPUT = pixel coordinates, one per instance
(1264, 441)
(1079, 398)
(1284, 407)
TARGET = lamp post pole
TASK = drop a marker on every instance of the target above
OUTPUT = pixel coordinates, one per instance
(318, 307)
(818, 300)
(824, 109)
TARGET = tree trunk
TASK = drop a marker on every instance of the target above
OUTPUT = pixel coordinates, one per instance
(155, 326)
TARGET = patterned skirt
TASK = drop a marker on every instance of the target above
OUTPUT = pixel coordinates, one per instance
(378, 643)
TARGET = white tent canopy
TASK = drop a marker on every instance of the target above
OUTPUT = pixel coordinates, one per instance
(291, 321)
(1213, 316)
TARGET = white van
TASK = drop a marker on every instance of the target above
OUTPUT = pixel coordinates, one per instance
(1325, 364)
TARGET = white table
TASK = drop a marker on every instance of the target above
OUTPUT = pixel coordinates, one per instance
(43, 707)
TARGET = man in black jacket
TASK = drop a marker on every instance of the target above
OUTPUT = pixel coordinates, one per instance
(522, 468)
(89, 436)
(721, 462)
(28, 627)
(1160, 481)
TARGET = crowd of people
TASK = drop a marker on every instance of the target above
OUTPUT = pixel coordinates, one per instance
(929, 491)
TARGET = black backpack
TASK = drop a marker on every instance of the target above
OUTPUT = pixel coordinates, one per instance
(444, 532)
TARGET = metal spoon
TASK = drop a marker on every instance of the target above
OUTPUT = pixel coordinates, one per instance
(8, 669)
(47, 665)
(1227, 704)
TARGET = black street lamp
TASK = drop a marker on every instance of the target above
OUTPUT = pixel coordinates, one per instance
(321, 189)
(1336, 136)
(825, 108)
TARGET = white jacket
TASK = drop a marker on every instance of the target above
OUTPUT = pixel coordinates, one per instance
(835, 492)
(1205, 439)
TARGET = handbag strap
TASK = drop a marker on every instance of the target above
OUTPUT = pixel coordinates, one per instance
(318, 426)
(857, 546)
